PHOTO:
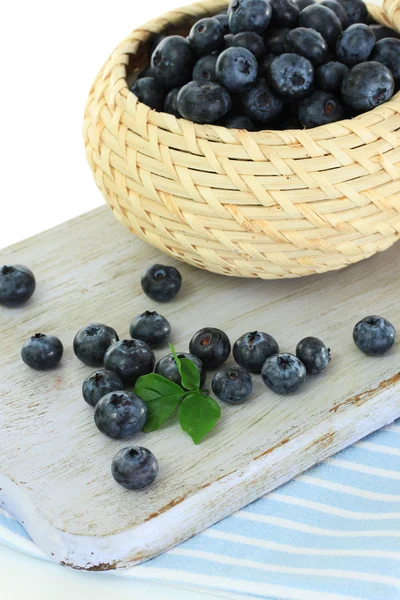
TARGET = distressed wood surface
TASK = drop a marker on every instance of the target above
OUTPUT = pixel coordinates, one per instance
(55, 465)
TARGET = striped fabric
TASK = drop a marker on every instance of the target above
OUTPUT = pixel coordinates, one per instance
(331, 534)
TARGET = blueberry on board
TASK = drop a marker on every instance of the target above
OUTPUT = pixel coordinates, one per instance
(161, 283)
(100, 383)
(171, 102)
(367, 85)
(302, 4)
(239, 123)
(355, 44)
(42, 351)
(172, 62)
(263, 65)
(252, 349)
(17, 284)
(374, 335)
(152, 328)
(275, 41)
(323, 20)
(387, 52)
(249, 40)
(134, 468)
(224, 20)
(91, 343)
(314, 355)
(381, 31)
(321, 108)
(261, 103)
(283, 373)
(356, 10)
(330, 76)
(166, 367)
(232, 384)
(204, 69)
(284, 13)
(308, 43)
(249, 15)
(236, 69)
(291, 75)
(212, 346)
(206, 36)
(204, 101)
(148, 91)
(130, 359)
(338, 10)
(120, 414)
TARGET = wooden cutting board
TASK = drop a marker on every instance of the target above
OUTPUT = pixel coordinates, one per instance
(55, 465)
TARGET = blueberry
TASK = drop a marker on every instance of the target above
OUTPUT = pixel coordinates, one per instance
(323, 20)
(166, 367)
(204, 69)
(368, 85)
(330, 76)
(130, 359)
(212, 346)
(374, 335)
(261, 103)
(320, 108)
(148, 91)
(17, 284)
(387, 52)
(249, 15)
(314, 355)
(134, 468)
(252, 349)
(381, 31)
(291, 75)
(283, 373)
(154, 41)
(120, 414)
(228, 39)
(171, 102)
(206, 36)
(91, 343)
(172, 62)
(355, 44)
(285, 13)
(42, 352)
(232, 384)
(161, 283)
(308, 43)
(249, 40)
(263, 65)
(275, 41)
(302, 4)
(236, 69)
(152, 328)
(203, 101)
(100, 383)
(338, 10)
(356, 10)
(147, 72)
(224, 20)
(239, 123)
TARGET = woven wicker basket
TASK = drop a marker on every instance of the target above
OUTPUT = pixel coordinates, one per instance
(270, 204)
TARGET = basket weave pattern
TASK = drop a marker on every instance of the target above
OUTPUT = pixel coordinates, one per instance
(270, 204)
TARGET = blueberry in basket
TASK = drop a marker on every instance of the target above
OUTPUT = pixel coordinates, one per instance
(236, 69)
(338, 10)
(261, 103)
(172, 62)
(206, 36)
(308, 43)
(355, 44)
(171, 102)
(291, 75)
(204, 102)
(387, 52)
(330, 76)
(250, 40)
(249, 15)
(149, 92)
(320, 108)
(204, 69)
(367, 85)
(323, 20)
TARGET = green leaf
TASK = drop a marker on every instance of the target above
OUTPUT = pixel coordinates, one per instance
(198, 415)
(190, 376)
(153, 387)
(176, 359)
(159, 411)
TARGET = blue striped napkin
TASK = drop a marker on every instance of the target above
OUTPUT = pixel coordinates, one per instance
(331, 534)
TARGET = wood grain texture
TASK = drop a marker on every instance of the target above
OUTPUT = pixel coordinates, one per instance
(55, 465)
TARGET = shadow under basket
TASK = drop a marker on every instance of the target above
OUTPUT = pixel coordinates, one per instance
(268, 204)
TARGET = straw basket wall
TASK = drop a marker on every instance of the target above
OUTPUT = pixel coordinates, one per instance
(270, 204)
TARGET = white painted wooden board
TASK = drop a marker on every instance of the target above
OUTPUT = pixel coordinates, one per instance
(55, 465)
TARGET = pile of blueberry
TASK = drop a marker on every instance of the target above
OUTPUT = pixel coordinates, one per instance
(278, 64)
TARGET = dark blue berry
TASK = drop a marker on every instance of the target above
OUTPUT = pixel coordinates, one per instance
(374, 335)
(308, 43)
(42, 352)
(172, 62)
(302, 4)
(263, 65)
(381, 31)
(154, 41)
(323, 20)
(285, 13)
(166, 367)
(130, 359)
(206, 36)
(100, 383)
(261, 103)
(338, 10)
(228, 39)
(120, 414)
(17, 284)
(171, 102)
(161, 283)
(152, 328)
(232, 385)
(283, 373)
(356, 10)
(249, 15)
(147, 72)
(148, 91)
(91, 343)
(249, 40)
(252, 349)
(355, 44)
(387, 52)
(203, 101)
(239, 123)
(224, 20)
(291, 75)
(314, 355)
(330, 76)
(368, 85)
(212, 346)
(134, 468)
(204, 69)
(320, 108)
(275, 41)
(236, 69)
